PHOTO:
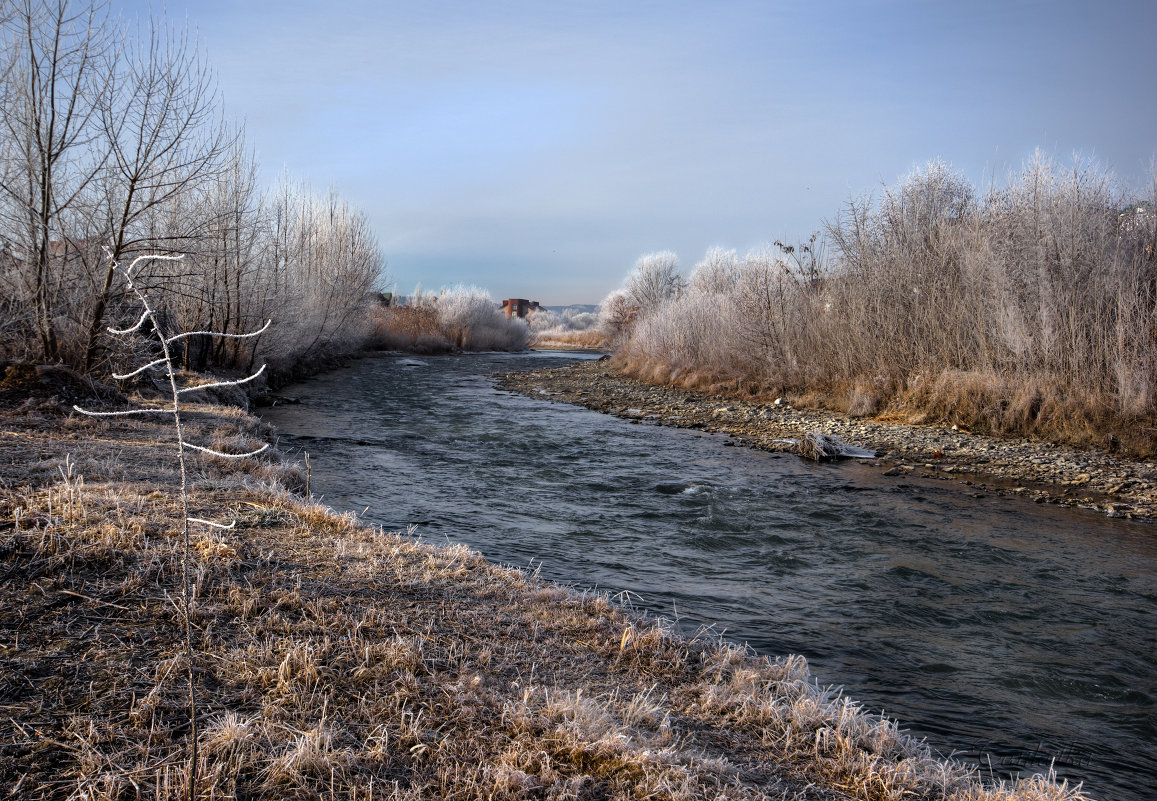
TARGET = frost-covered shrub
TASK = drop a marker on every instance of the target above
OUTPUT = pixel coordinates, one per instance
(617, 314)
(737, 319)
(654, 281)
(571, 319)
(576, 320)
(1029, 309)
(573, 328)
(544, 320)
(460, 318)
(471, 320)
(716, 274)
(412, 329)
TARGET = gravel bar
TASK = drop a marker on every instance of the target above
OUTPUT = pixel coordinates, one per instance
(1041, 471)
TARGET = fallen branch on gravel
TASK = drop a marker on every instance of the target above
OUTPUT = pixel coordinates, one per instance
(821, 447)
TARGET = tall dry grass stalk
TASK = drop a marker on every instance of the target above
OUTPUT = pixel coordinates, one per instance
(1030, 309)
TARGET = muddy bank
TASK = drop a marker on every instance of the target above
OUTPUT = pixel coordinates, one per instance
(979, 464)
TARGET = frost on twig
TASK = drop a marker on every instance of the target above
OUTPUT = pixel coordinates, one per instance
(184, 334)
(231, 383)
(224, 455)
(143, 367)
(232, 523)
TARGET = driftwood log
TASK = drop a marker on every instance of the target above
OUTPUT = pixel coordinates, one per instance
(821, 447)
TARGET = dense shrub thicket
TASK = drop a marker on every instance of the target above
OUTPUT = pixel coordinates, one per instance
(1031, 308)
(113, 144)
(458, 318)
(572, 329)
(545, 321)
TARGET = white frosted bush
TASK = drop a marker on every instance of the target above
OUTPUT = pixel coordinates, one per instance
(729, 323)
(654, 281)
(471, 320)
(575, 320)
(695, 332)
(717, 273)
(544, 320)
(548, 326)
(1030, 307)
(616, 316)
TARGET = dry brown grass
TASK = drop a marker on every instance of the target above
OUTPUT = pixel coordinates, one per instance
(337, 661)
(981, 401)
(460, 318)
(1044, 408)
(413, 329)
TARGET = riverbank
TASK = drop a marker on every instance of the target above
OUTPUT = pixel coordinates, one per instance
(978, 464)
(336, 660)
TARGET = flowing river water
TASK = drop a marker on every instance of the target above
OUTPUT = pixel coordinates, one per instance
(1011, 634)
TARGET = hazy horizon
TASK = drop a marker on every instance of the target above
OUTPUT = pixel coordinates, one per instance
(537, 150)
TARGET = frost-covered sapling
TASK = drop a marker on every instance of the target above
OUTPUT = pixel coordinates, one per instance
(165, 364)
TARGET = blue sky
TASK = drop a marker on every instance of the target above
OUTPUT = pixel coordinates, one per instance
(538, 148)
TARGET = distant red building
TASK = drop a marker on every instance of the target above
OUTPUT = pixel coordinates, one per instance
(519, 307)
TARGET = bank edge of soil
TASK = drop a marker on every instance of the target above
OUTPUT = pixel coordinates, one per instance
(335, 660)
(979, 464)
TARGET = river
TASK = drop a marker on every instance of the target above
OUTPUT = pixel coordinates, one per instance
(1010, 634)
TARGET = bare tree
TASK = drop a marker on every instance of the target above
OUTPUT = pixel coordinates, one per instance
(233, 248)
(59, 65)
(321, 262)
(110, 139)
(161, 120)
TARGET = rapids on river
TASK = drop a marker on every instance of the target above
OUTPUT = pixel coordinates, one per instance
(1008, 634)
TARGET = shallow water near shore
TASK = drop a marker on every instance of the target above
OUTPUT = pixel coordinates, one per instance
(1016, 634)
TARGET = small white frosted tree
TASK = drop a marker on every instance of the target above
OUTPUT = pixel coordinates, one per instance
(654, 281)
(166, 366)
(617, 314)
